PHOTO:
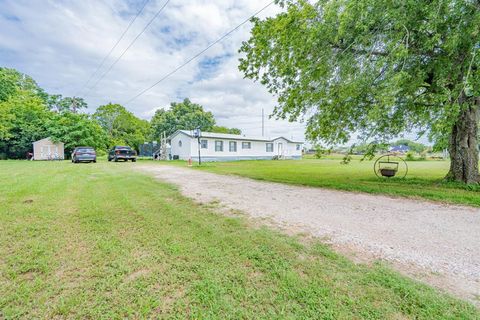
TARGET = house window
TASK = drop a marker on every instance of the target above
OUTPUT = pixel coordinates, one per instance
(204, 144)
(232, 146)
(298, 147)
(269, 147)
(180, 143)
(246, 145)
(218, 145)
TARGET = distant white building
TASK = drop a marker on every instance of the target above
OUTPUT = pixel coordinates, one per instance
(230, 147)
(399, 149)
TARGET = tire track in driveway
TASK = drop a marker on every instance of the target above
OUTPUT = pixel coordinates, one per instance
(436, 243)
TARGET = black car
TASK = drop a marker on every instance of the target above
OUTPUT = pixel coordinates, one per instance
(84, 154)
(122, 153)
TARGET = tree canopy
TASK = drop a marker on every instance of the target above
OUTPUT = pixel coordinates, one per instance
(57, 102)
(76, 130)
(121, 126)
(222, 129)
(13, 83)
(25, 117)
(376, 68)
(184, 115)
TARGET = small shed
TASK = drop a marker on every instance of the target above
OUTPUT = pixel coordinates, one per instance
(46, 149)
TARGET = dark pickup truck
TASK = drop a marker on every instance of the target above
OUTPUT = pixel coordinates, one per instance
(122, 153)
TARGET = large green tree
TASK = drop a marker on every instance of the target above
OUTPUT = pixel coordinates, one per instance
(76, 130)
(121, 126)
(57, 102)
(24, 120)
(13, 83)
(181, 116)
(377, 68)
(6, 121)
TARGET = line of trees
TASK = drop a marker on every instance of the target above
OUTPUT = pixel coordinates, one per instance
(28, 113)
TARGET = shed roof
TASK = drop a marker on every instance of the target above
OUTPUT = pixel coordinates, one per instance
(47, 139)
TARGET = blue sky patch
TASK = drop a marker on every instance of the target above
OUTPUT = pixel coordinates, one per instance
(133, 7)
(208, 66)
(11, 17)
(166, 29)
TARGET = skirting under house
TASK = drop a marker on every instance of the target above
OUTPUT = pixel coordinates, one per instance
(214, 159)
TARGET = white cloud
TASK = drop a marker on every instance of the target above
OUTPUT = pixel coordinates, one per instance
(60, 44)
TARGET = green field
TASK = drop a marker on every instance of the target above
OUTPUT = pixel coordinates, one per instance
(424, 180)
(94, 241)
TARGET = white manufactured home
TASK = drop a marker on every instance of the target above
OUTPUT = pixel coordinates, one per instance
(231, 147)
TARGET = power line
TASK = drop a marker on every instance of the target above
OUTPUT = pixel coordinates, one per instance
(113, 48)
(199, 53)
(129, 46)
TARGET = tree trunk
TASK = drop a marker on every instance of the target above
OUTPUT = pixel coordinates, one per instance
(463, 146)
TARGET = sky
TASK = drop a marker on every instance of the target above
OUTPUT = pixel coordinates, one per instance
(60, 43)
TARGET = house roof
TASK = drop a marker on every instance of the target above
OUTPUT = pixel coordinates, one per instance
(228, 136)
(400, 148)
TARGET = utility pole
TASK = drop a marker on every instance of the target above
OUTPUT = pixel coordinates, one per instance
(199, 146)
(197, 133)
(263, 123)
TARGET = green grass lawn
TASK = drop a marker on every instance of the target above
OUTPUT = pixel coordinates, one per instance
(92, 241)
(424, 179)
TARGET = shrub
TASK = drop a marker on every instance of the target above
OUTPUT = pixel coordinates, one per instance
(321, 151)
(410, 156)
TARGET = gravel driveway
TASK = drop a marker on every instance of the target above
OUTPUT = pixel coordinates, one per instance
(433, 242)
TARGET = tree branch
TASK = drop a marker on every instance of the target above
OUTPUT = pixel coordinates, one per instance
(362, 51)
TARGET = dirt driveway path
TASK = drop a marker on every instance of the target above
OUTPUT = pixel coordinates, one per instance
(436, 243)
